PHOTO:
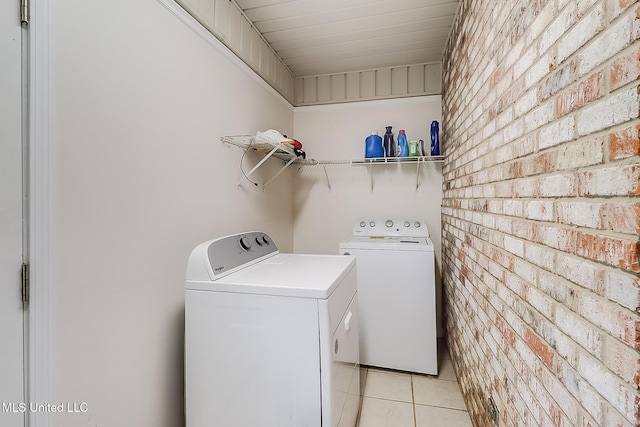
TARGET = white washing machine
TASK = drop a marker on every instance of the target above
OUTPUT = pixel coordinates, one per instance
(271, 339)
(396, 293)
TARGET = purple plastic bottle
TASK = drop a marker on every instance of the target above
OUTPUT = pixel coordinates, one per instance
(435, 138)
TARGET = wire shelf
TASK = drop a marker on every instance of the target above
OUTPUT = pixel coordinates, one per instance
(270, 147)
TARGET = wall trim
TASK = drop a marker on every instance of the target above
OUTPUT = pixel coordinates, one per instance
(182, 15)
(38, 348)
(389, 101)
(364, 85)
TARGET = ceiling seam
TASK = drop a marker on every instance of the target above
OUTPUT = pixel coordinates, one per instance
(244, 15)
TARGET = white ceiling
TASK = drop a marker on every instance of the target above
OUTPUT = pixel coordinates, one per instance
(317, 37)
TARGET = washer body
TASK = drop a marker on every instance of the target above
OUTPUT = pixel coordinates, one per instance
(396, 294)
(271, 339)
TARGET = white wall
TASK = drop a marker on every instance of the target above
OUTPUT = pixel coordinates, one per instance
(138, 102)
(324, 215)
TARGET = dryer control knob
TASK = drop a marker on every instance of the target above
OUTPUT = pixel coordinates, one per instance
(363, 224)
(407, 224)
(416, 224)
(388, 223)
(259, 241)
(372, 224)
(266, 239)
(245, 243)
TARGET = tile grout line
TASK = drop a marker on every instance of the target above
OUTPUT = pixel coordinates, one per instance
(413, 403)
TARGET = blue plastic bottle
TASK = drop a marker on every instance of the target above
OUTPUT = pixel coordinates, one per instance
(403, 146)
(389, 143)
(373, 145)
(435, 138)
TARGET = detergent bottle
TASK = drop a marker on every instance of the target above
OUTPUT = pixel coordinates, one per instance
(373, 145)
(403, 145)
(413, 149)
(435, 138)
(389, 143)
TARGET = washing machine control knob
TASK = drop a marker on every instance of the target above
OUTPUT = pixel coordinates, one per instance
(259, 241)
(416, 224)
(245, 243)
(372, 224)
(407, 224)
(388, 223)
(363, 224)
(266, 240)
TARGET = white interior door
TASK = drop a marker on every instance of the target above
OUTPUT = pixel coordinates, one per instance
(12, 412)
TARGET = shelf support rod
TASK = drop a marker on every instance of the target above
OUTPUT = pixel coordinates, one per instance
(417, 174)
(371, 174)
(326, 175)
(264, 159)
(280, 171)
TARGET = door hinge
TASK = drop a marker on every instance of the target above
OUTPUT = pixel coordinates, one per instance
(24, 11)
(25, 282)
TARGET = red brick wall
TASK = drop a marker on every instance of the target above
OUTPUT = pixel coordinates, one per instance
(541, 210)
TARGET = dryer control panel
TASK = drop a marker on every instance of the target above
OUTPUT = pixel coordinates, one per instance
(218, 257)
(391, 226)
(232, 252)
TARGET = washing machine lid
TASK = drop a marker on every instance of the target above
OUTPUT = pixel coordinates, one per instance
(293, 275)
(387, 243)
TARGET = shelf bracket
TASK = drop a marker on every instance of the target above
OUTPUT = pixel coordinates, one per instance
(326, 175)
(280, 171)
(417, 174)
(371, 175)
(264, 159)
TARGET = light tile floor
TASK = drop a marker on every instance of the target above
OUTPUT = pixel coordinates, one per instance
(399, 399)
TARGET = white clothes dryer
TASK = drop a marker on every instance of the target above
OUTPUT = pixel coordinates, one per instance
(271, 339)
(396, 293)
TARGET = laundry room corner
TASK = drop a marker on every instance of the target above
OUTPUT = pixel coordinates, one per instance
(342, 193)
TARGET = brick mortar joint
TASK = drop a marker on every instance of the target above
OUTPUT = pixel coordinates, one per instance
(607, 267)
(603, 68)
(567, 283)
(554, 224)
(532, 373)
(574, 366)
